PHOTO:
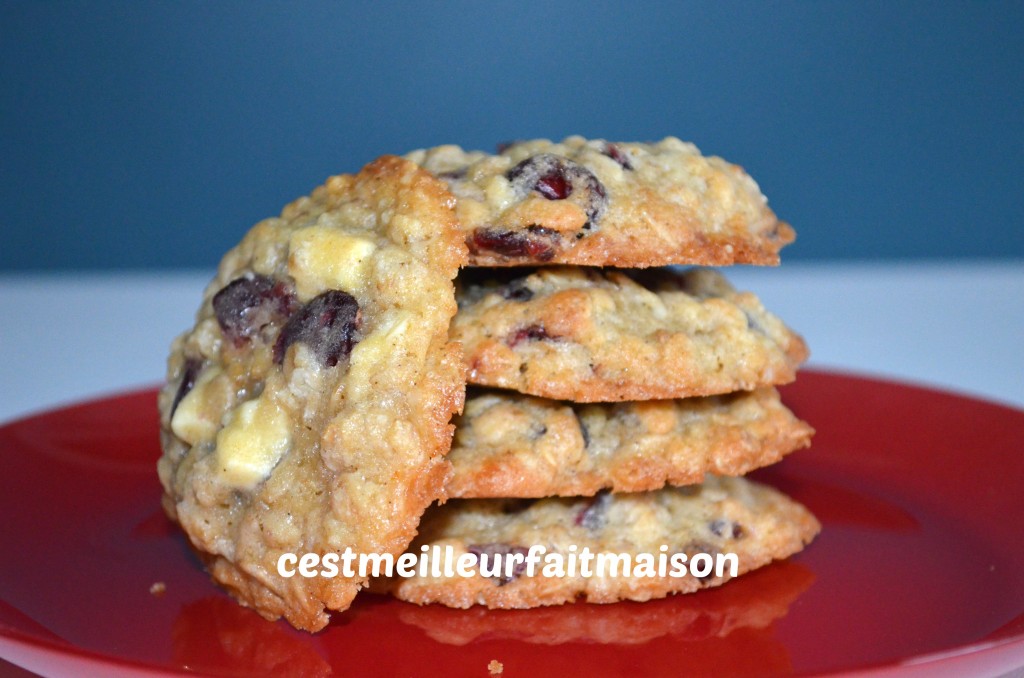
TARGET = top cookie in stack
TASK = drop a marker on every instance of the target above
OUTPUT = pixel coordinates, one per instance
(553, 351)
(598, 203)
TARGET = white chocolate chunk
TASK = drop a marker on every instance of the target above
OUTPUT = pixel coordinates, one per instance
(499, 193)
(374, 351)
(252, 442)
(324, 258)
(192, 421)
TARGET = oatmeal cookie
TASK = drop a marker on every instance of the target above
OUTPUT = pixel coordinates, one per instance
(592, 335)
(599, 203)
(308, 409)
(511, 445)
(720, 516)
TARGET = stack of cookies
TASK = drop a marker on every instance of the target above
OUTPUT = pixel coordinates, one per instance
(614, 399)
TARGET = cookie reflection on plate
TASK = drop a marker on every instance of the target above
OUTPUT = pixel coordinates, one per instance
(214, 632)
(753, 601)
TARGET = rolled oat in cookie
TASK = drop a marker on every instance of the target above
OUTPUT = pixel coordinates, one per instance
(601, 203)
(308, 410)
(593, 335)
(720, 516)
(511, 445)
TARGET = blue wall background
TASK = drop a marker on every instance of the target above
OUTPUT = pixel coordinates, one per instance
(143, 135)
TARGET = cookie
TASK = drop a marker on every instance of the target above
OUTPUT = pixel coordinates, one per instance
(592, 335)
(598, 203)
(309, 409)
(721, 516)
(511, 445)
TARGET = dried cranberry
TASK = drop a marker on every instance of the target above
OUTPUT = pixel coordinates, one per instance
(595, 514)
(554, 186)
(618, 155)
(503, 550)
(529, 333)
(516, 290)
(327, 324)
(453, 175)
(726, 528)
(248, 304)
(189, 373)
(557, 178)
(584, 431)
(537, 243)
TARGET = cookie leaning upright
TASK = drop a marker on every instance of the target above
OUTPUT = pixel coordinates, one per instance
(308, 410)
(599, 203)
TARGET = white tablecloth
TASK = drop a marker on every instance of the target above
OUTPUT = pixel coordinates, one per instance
(954, 326)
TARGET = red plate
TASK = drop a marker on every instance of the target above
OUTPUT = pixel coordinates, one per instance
(919, 569)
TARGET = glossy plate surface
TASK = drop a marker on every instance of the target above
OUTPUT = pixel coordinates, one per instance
(919, 569)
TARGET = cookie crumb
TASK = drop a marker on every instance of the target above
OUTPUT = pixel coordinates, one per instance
(495, 667)
(158, 589)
